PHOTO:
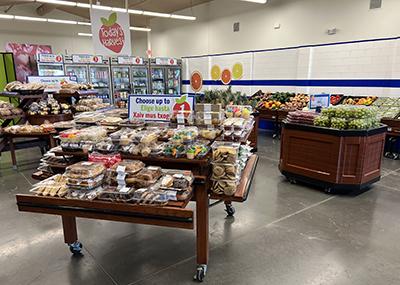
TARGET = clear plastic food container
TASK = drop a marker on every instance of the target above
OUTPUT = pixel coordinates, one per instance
(182, 117)
(84, 194)
(89, 183)
(209, 118)
(225, 152)
(224, 187)
(85, 170)
(206, 107)
(225, 171)
(210, 133)
(185, 135)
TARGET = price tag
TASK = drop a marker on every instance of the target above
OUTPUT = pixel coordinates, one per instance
(124, 189)
(171, 195)
(389, 129)
(181, 118)
(121, 169)
(207, 119)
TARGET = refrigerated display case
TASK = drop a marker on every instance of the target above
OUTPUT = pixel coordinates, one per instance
(92, 69)
(166, 75)
(140, 76)
(99, 77)
(80, 71)
(50, 64)
(120, 79)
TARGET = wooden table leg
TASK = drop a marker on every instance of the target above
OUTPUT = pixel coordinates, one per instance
(12, 151)
(52, 141)
(69, 227)
(202, 230)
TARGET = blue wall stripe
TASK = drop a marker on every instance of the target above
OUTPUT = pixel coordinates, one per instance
(382, 83)
(294, 47)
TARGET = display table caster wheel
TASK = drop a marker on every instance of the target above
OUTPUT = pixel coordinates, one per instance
(200, 273)
(76, 248)
(328, 190)
(292, 181)
(230, 210)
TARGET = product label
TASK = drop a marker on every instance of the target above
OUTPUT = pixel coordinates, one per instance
(207, 119)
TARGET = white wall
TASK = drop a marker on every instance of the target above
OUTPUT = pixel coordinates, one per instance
(302, 22)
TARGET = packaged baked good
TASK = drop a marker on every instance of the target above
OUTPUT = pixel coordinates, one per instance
(225, 152)
(130, 167)
(85, 170)
(185, 135)
(225, 171)
(197, 150)
(85, 184)
(224, 187)
(116, 194)
(182, 117)
(210, 133)
(205, 107)
(84, 194)
(108, 160)
(146, 177)
(149, 196)
(209, 118)
(234, 123)
(176, 179)
(53, 186)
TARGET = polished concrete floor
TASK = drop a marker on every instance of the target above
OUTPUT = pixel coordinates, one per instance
(283, 234)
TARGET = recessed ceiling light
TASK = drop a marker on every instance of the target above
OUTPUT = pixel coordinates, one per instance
(84, 34)
(35, 19)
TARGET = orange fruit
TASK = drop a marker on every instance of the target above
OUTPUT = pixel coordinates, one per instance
(215, 72)
(226, 76)
(196, 81)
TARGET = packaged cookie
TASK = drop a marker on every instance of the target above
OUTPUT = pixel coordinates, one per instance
(225, 152)
(224, 187)
(225, 171)
(85, 184)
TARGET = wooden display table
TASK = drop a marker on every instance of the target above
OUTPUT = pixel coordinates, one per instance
(48, 137)
(174, 215)
(347, 160)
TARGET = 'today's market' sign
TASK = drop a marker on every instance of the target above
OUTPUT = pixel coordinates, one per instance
(158, 108)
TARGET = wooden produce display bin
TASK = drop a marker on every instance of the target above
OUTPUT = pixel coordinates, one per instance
(336, 160)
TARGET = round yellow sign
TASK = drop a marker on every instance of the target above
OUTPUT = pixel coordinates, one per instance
(215, 72)
(237, 71)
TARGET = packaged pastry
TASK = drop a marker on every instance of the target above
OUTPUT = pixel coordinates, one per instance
(175, 150)
(85, 170)
(185, 135)
(209, 118)
(210, 133)
(146, 177)
(53, 186)
(145, 196)
(107, 159)
(88, 183)
(225, 152)
(182, 117)
(111, 193)
(204, 107)
(111, 121)
(176, 179)
(225, 171)
(197, 150)
(130, 167)
(83, 194)
(123, 137)
(224, 187)
(234, 123)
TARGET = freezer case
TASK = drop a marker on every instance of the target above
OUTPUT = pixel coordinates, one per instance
(140, 82)
(80, 71)
(157, 80)
(173, 81)
(121, 82)
(99, 76)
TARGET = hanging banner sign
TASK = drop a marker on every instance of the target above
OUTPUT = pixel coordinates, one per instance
(158, 108)
(130, 60)
(110, 32)
(50, 58)
(87, 58)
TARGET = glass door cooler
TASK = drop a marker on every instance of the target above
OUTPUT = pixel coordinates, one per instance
(99, 76)
(140, 76)
(121, 84)
(157, 80)
(166, 75)
(80, 71)
(174, 81)
(50, 64)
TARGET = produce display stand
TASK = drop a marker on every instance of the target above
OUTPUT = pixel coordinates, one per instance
(175, 214)
(336, 160)
(10, 138)
(274, 116)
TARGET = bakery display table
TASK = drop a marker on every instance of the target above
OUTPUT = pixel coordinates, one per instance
(10, 140)
(348, 160)
(175, 214)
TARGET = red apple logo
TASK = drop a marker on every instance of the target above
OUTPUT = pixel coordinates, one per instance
(111, 34)
(181, 104)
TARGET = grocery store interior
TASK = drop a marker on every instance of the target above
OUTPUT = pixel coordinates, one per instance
(199, 141)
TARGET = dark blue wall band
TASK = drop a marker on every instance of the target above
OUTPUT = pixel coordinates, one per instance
(382, 83)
